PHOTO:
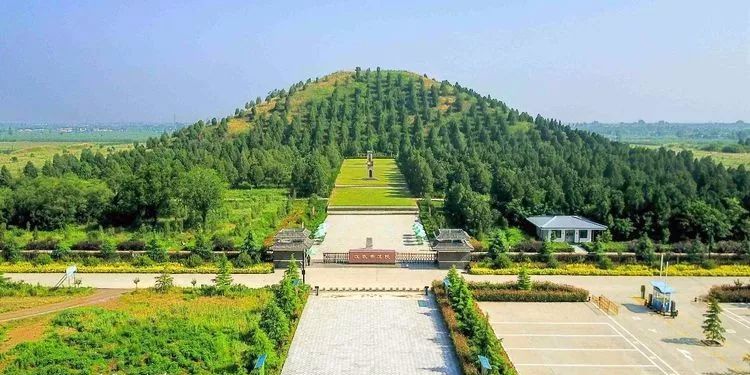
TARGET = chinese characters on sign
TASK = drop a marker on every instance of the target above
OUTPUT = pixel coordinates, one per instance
(369, 256)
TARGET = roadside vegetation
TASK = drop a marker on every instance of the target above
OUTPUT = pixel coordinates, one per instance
(738, 292)
(16, 295)
(219, 328)
(470, 331)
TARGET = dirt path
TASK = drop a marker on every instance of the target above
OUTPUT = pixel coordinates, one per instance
(100, 295)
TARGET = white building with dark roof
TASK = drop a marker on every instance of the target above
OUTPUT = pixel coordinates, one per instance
(564, 228)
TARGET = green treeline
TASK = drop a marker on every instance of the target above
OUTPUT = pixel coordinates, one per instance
(493, 164)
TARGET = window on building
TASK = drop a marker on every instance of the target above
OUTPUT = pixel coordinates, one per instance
(555, 234)
(583, 233)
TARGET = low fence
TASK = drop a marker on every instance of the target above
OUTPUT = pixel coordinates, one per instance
(606, 305)
(424, 257)
(336, 258)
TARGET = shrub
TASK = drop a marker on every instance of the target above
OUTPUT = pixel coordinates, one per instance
(528, 247)
(45, 244)
(275, 323)
(156, 251)
(42, 259)
(731, 293)
(10, 251)
(87, 245)
(540, 292)
(503, 261)
(193, 261)
(243, 260)
(202, 248)
(61, 252)
(131, 245)
(108, 250)
(644, 250)
(164, 283)
(222, 243)
(141, 261)
(91, 261)
(708, 264)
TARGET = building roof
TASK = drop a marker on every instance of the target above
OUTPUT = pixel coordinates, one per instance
(452, 246)
(564, 222)
(662, 287)
(452, 235)
(292, 234)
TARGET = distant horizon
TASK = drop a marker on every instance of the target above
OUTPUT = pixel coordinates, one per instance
(579, 61)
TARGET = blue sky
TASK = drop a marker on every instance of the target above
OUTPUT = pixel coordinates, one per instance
(576, 61)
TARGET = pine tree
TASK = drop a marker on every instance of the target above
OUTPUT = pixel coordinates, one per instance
(524, 280)
(275, 323)
(250, 248)
(712, 328)
(292, 271)
(223, 279)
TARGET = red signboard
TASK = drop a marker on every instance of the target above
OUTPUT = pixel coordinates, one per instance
(371, 256)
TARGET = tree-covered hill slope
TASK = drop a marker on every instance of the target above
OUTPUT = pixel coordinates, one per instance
(492, 163)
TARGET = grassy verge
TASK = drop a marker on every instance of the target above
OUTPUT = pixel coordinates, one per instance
(580, 269)
(125, 267)
(16, 295)
(375, 196)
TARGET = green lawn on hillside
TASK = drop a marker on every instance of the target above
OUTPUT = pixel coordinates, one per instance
(354, 172)
(729, 159)
(387, 189)
(371, 196)
(15, 155)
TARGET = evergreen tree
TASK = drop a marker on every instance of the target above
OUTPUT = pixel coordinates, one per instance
(275, 323)
(29, 170)
(712, 327)
(156, 251)
(250, 248)
(223, 278)
(524, 280)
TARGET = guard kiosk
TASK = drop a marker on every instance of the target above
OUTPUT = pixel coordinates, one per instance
(662, 299)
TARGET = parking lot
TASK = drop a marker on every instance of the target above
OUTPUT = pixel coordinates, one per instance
(575, 339)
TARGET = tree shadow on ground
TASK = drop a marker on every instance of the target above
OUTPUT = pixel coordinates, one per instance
(684, 341)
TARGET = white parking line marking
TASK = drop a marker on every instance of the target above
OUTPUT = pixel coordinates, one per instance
(731, 331)
(552, 335)
(747, 341)
(577, 365)
(686, 354)
(552, 323)
(578, 349)
(644, 346)
(739, 319)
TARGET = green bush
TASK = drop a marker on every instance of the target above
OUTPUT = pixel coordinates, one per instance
(243, 260)
(61, 252)
(540, 292)
(141, 261)
(275, 323)
(42, 259)
(193, 261)
(737, 293)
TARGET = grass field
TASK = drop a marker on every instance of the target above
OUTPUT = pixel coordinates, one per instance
(15, 155)
(141, 332)
(354, 172)
(386, 189)
(729, 159)
(376, 196)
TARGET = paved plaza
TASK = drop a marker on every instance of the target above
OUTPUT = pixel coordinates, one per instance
(388, 232)
(374, 334)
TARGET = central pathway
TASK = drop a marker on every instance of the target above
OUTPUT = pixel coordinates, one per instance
(358, 333)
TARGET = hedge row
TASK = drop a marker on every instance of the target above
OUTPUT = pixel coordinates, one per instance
(682, 247)
(581, 269)
(540, 292)
(626, 258)
(737, 293)
(126, 267)
(466, 355)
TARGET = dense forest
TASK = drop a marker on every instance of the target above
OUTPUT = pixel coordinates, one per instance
(493, 164)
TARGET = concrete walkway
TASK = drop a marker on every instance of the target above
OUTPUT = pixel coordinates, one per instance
(378, 334)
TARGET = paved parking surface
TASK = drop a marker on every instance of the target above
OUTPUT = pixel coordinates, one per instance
(575, 339)
(371, 334)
